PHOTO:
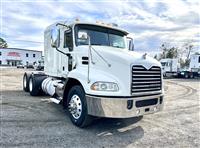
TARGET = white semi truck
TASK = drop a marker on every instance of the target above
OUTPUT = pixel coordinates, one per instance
(92, 70)
(170, 67)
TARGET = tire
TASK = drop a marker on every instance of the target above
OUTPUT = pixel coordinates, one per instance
(82, 119)
(186, 76)
(26, 79)
(164, 75)
(35, 83)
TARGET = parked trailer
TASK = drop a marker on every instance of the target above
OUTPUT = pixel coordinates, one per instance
(92, 70)
(194, 68)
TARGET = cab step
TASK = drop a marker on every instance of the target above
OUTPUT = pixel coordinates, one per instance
(55, 100)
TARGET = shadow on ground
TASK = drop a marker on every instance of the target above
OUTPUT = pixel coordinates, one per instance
(51, 118)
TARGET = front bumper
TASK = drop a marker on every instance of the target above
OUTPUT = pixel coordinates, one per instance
(123, 107)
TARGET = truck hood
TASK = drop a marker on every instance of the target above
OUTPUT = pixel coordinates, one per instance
(120, 71)
(115, 55)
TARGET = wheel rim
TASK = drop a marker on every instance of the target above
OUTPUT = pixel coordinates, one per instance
(30, 84)
(75, 106)
(24, 81)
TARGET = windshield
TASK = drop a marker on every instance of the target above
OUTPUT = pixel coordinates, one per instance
(163, 63)
(101, 36)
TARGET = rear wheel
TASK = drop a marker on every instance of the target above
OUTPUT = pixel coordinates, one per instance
(192, 76)
(35, 83)
(26, 79)
(77, 107)
(186, 76)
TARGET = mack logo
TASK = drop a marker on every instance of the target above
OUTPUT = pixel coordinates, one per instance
(147, 67)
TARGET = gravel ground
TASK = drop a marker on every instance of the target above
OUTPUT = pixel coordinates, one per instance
(35, 122)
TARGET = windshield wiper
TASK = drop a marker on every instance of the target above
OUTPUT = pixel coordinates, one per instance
(109, 65)
(117, 46)
(98, 44)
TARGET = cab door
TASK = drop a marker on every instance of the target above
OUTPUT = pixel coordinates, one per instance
(65, 61)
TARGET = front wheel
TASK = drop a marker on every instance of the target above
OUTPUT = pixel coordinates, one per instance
(77, 107)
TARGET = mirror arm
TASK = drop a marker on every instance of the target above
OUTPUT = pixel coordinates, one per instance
(67, 54)
(132, 49)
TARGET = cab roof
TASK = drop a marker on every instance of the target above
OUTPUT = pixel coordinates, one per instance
(102, 25)
(72, 24)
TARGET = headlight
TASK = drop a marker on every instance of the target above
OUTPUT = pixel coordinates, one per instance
(104, 86)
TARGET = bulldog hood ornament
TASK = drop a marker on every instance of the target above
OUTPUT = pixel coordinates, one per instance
(144, 56)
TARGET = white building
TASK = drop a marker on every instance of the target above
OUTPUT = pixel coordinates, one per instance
(16, 56)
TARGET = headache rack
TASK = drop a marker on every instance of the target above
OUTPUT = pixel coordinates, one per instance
(146, 82)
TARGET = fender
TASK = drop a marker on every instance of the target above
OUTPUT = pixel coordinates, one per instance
(80, 74)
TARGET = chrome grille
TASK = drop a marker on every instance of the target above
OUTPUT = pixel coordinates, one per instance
(146, 82)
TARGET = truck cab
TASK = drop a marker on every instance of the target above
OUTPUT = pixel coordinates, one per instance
(92, 69)
(194, 65)
(193, 70)
(170, 67)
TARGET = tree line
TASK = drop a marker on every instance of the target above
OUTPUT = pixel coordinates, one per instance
(3, 43)
(183, 53)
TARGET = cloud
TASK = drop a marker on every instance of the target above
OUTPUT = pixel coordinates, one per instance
(150, 22)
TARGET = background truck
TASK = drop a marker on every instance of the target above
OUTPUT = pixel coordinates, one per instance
(170, 67)
(92, 70)
(40, 65)
(194, 67)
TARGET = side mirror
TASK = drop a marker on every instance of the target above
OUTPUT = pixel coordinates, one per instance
(55, 37)
(130, 44)
(82, 35)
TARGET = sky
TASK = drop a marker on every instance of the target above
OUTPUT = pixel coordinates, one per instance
(150, 22)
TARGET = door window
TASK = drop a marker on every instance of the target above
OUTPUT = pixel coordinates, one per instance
(68, 40)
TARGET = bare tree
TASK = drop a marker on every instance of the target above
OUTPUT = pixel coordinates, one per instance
(168, 51)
